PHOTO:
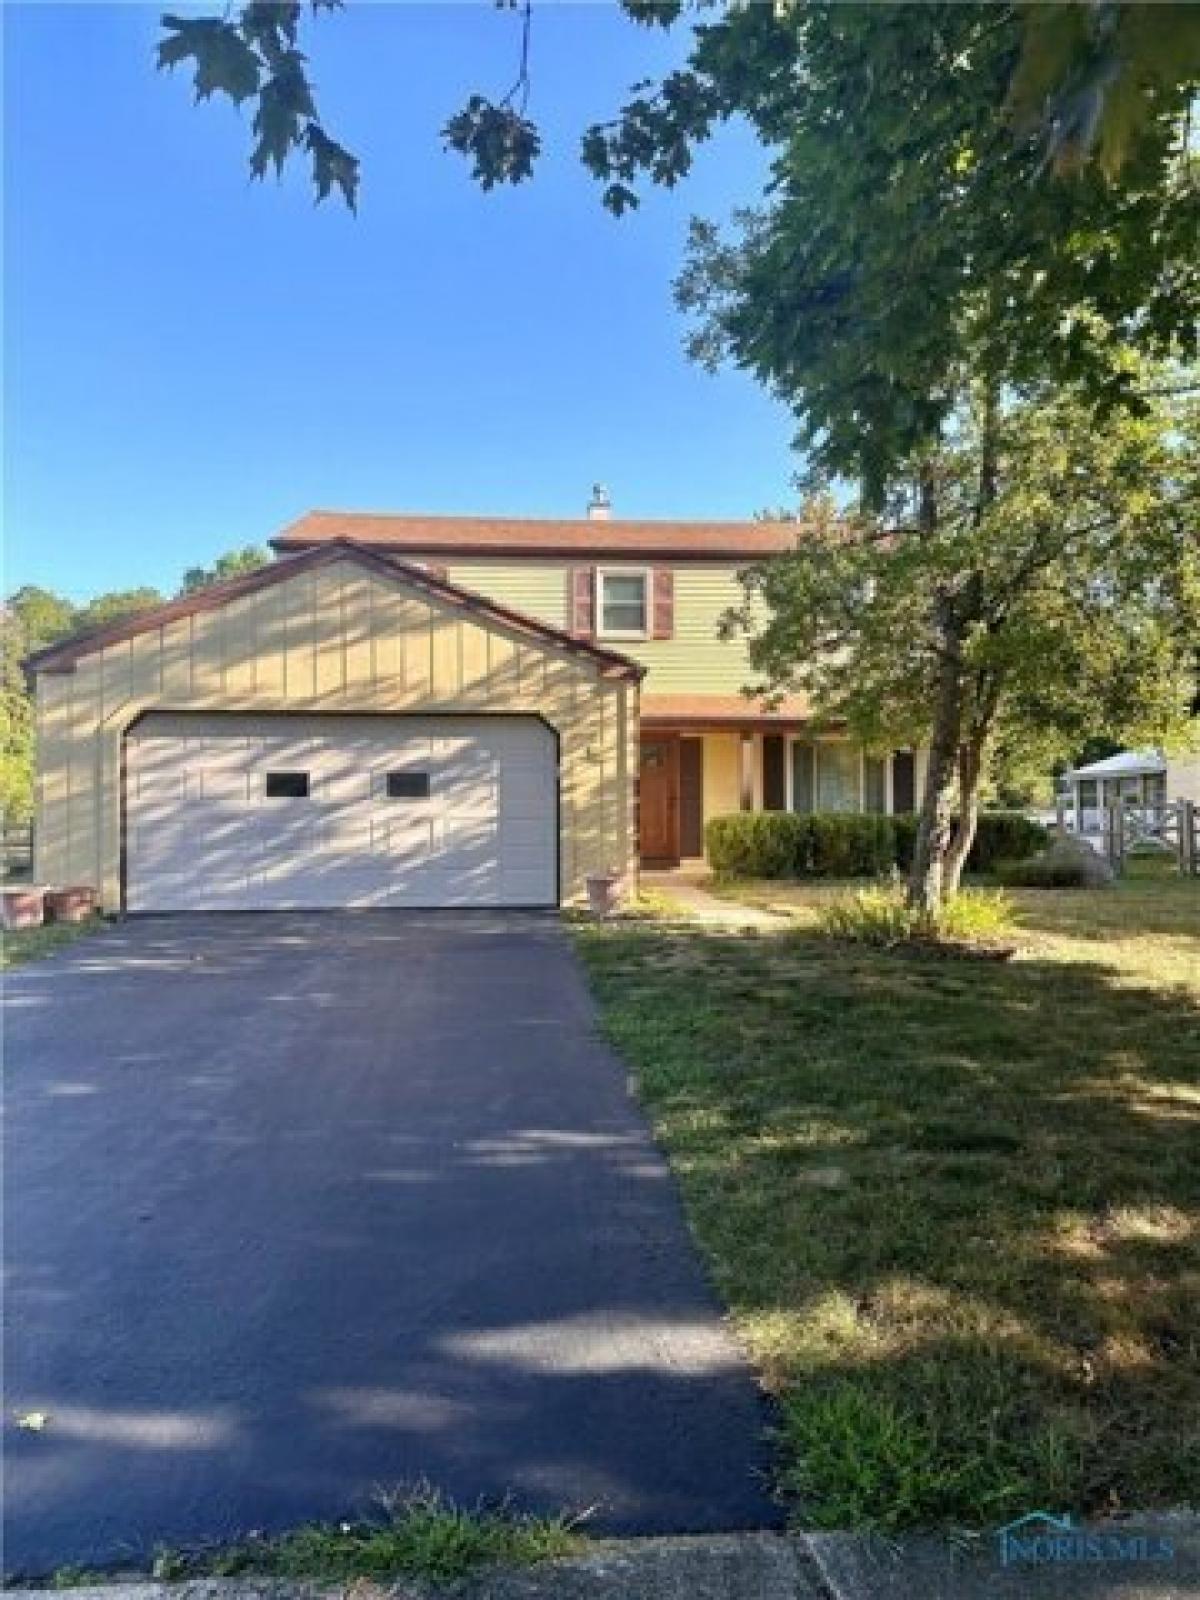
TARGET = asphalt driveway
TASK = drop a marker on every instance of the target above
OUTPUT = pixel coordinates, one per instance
(299, 1207)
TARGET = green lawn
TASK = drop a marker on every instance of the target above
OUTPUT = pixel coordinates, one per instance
(954, 1206)
(31, 944)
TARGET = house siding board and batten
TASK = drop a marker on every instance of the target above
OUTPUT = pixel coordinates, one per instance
(338, 633)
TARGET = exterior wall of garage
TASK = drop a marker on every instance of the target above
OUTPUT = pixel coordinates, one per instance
(338, 636)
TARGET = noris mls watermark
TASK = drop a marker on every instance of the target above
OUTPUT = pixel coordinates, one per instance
(1041, 1539)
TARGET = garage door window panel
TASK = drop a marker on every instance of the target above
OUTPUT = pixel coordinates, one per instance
(287, 786)
(407, 785)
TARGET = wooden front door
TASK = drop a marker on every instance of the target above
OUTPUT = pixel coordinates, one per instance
(658, 796)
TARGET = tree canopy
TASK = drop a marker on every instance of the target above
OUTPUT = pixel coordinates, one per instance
(233, 564)
(1083, 82)
(1053, 597)
(907, 245)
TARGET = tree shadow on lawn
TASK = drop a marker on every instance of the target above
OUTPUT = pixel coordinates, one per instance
(954, 1207)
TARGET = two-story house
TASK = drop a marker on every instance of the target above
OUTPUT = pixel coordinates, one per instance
(427, 710)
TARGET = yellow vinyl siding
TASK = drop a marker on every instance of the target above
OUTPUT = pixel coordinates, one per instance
(538, 588)
(695, 661)
(338, 638)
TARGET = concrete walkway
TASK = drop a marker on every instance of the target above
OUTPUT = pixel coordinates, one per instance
(687, 889)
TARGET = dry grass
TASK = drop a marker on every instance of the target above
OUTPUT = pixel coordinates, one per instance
(954, 1208)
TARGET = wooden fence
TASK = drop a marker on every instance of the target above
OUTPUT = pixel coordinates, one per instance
(1173, 827)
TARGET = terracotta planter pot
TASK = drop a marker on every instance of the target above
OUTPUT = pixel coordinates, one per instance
(22, 908)
(604, 893)
(75, 904)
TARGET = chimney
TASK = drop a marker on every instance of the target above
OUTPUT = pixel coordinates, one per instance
(599, 506)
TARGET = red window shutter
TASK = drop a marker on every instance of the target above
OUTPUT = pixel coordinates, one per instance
(663, 604)
(581, 602)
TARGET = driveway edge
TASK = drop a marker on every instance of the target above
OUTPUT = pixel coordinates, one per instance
(764, 1566)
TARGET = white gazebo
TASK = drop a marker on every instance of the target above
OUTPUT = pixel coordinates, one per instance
(1137, 777)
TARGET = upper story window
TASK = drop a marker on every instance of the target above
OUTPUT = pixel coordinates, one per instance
(622, 604)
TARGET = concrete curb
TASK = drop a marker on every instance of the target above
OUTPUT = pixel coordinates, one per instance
(1104, 1561)
(757, 1566)
(764, 1566)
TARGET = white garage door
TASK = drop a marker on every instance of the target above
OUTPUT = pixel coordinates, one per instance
(242, 813)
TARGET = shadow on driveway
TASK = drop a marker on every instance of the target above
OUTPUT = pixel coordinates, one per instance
(300, 1207)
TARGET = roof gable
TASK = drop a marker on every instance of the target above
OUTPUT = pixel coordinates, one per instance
(1126, 763)
(61, 657)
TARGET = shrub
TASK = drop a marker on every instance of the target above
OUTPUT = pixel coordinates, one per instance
(976, 914)
(999, 836)
(904, 830)
(783, 844)
(1065, 864)
(871, 916)
(1005, 836)
(879, 916)
(755, 844)
(829, 844)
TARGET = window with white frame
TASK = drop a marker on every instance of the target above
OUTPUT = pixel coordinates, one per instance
(838, 769)
(826, 776)
(622, 603)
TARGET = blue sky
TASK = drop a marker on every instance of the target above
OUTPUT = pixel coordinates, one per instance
(193, 359)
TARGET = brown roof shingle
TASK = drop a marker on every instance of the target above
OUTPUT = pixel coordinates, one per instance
(579, 536)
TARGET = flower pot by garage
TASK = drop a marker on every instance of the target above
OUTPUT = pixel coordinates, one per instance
(604, 893)
(23, 908)
(75, 904)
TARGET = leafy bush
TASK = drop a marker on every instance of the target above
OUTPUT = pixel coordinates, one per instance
(976, 914)
(783, 844)
(871, 916)
(999, 836)
(879, 916)
(827, 844)
(1004, 836)
(1065, 864)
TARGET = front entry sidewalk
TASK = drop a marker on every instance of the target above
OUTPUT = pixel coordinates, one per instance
(686, 888)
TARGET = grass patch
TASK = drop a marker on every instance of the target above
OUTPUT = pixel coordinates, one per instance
(419, 1533)
(19, 945)
(954, 1207)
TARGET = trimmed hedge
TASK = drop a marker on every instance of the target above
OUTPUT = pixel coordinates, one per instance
(836, 844)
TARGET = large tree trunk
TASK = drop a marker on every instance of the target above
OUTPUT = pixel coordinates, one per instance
(926, 879)
(933, 826)
(970, 773)
(937, 859)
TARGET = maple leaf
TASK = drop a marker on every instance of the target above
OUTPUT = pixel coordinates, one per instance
(224, 62)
